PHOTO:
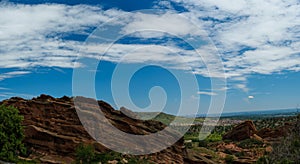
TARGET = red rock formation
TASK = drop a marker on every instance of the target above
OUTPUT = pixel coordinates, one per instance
(240, 132)
(247, 130)
(53, 128)
(275, 133)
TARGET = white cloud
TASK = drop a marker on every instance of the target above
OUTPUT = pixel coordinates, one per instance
(206, 93)
(173, 23)
(12, 74)
(17, 73)
(32, 35)
(252, 36)
(223, 89)
(7, 95)
(242, 86)
(250, 97)
(168, 55)
(46, 19)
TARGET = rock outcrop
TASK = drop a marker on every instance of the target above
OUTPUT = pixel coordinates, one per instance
(240, 132)
(278, 132)
(196, 158)
(53, 128)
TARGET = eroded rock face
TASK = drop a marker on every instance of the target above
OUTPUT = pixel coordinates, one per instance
(52, 127)
(240, 132)
(196, 158)
(275, 133)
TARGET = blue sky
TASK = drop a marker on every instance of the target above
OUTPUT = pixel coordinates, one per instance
(249, 51)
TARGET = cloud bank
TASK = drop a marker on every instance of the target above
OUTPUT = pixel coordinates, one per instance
(252, 37)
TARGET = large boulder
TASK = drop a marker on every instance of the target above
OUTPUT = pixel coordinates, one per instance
(240, 132)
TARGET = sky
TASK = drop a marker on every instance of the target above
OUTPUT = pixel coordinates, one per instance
(192, 56)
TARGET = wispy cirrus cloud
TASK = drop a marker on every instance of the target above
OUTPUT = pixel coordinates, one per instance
(206, 93)
(2, 88)
(12, 74)
(6, 95)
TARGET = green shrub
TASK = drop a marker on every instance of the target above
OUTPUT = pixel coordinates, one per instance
(214, 137)
(11, 134)
(85, 154)
(263, 160)
(109, 156)
(27, 162)
(229, 158)
(250, 143)
(228, 151)
(240, 154)
(138, 161)
(203, 143)
(188, 145)
(227, 141)
(193, 137)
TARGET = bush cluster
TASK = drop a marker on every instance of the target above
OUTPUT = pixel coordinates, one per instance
(11, 134)
(85, 154)
(250, 143)
(287, 151)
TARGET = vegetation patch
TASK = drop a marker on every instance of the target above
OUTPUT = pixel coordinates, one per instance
(288, 150)
(251, 143)
(11, 134)
(229, 158)
(85, 154)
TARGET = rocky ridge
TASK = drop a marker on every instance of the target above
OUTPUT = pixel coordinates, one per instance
(247, 130)
(53, 129)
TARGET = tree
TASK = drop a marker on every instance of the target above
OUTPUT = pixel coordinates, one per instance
(11, 133)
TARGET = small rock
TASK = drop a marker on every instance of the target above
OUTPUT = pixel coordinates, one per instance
(256, 137)
(269, 149)
(113, 162)
(124, 160)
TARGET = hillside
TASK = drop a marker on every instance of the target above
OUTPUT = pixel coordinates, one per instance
(53, 130)
(165, 118)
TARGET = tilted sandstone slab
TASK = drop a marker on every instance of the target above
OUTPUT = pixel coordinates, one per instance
(52, 127)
